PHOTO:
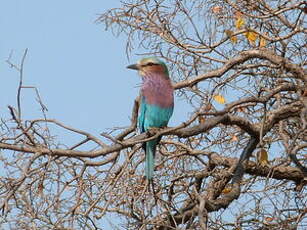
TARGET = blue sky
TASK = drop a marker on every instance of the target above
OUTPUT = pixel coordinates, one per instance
(78, 67)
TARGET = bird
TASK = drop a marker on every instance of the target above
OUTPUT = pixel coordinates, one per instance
(156, 104)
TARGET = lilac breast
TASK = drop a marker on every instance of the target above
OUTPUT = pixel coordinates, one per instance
(158, 90)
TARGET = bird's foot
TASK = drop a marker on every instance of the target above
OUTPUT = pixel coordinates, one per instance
(153, 130)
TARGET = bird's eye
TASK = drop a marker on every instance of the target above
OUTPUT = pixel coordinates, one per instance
(148, 64)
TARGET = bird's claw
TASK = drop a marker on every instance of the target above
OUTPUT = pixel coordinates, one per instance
(153, 130)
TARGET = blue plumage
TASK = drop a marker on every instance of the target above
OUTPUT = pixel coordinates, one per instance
(152, 116)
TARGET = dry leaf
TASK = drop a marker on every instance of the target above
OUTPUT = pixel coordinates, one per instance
(262, 157)
(201, 119)
(219, 98)
(238, 14)
(233, 39)
(228, 33)
(269, 219)
(239, 22)
(251, 36)
(227, 190)
(262, 42)
(234, 138)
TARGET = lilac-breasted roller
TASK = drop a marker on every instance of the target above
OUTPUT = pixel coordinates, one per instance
(156, 105)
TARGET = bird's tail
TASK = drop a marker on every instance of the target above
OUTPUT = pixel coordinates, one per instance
(150, 159)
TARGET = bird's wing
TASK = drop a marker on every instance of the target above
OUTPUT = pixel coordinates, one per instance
(141, 117)
(155, 116)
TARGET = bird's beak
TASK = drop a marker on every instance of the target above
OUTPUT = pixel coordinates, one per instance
(133, 66)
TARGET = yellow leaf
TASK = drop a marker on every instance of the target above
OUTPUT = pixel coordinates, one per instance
(262, 157)
(219, 98)
(227, 189)
(251, 36)
(240, 22)
(269, 219)
(233, 39)
(262, 42)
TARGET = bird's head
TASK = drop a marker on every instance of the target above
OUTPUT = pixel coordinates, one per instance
(149, 65)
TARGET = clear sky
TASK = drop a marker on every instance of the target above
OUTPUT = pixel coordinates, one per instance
(78, 67)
